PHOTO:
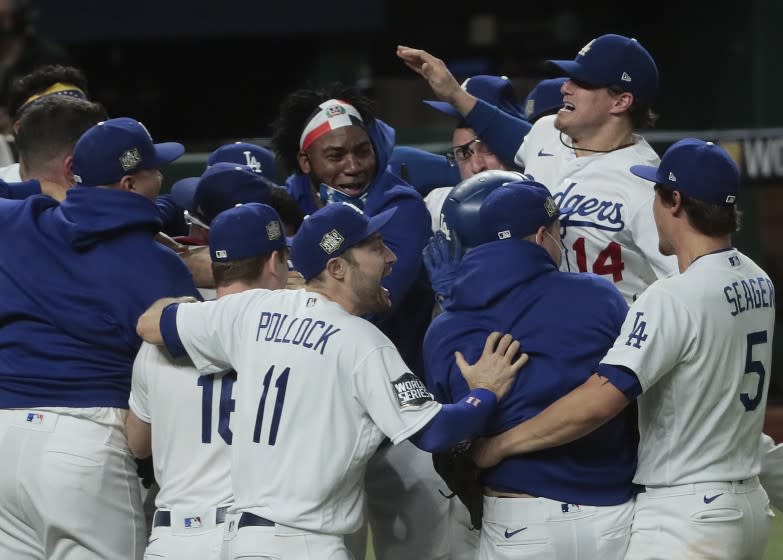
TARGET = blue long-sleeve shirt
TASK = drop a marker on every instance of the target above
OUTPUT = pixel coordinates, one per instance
(565, 322)
(74, 278)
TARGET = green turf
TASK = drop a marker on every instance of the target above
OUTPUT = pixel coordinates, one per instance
(774, 548)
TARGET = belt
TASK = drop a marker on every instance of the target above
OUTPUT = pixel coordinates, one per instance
(248, 519)
(162, 518)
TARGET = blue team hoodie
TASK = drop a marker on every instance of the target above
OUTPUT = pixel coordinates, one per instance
(406, 234)
(565, 322)
(74, 278)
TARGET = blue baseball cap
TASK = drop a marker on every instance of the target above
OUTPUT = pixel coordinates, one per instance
(517, 209)
(495, 90)
(544, 98)
(614, 61)
(329, 232)
(699, 169)
(111, 149)
(245, 231)
(259, 159)
(219, 188)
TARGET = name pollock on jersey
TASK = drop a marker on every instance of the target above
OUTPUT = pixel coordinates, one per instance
(295, 330)
(410, 391)
(749, 294)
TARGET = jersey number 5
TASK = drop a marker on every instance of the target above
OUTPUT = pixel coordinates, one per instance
(609, 261)
(754, 366)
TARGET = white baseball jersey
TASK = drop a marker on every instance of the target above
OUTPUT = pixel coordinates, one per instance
(317, 391)
(10, 173)
(612, 232)
(701, 345)
(191, 431)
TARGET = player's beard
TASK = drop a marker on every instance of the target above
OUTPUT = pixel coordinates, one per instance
(370, 295)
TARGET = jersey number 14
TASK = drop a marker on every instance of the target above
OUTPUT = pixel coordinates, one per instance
(608, 261)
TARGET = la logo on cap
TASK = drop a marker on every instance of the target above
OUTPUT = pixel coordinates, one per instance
(331, 241)
(586, 48)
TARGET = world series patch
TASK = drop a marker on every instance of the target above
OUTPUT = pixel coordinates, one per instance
(410, 391)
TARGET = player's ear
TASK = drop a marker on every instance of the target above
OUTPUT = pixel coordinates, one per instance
(304, 162)
(540, 236)
(336, 267)
(676, 202)
(622, 102)
(127, 183)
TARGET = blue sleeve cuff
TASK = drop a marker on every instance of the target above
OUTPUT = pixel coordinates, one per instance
(456, 422)
(623, 378)
(168, 331)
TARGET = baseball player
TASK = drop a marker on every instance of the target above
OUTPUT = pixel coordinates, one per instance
(530, 500)
(337, 151)
(694, 351)
(582, 154)
(185, 420)
(74, 280)
(305, 359)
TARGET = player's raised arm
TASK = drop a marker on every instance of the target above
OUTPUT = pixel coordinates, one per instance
(578, 413)
(442, 82)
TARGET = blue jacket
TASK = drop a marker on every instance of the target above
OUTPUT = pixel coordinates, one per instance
(565, 322)
(406, 234)
(74, 278)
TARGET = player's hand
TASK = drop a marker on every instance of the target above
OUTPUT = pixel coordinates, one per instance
(486, 452)
(497, 367)
(441, 258)
(295, 281)
(434, 70)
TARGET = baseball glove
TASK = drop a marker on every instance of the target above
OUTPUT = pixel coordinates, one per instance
(461, 475)
(145, 471)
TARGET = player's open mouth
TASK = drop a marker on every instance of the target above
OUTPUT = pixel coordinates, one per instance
(567, 107)
(352, 190)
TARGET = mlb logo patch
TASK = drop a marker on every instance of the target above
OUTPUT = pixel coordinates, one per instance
(310, 302)
(734, 260)
(192, 522)
(473, 401)
(505, 234)
(221, 254)
(34, 418)
(570, 508)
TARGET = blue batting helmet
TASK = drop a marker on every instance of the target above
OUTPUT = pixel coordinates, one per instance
(460, 212)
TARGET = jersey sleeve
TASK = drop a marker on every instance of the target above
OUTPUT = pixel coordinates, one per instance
(656, 335)
(396, 400)
(645, 235)
(206, 330)
(139, 396)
